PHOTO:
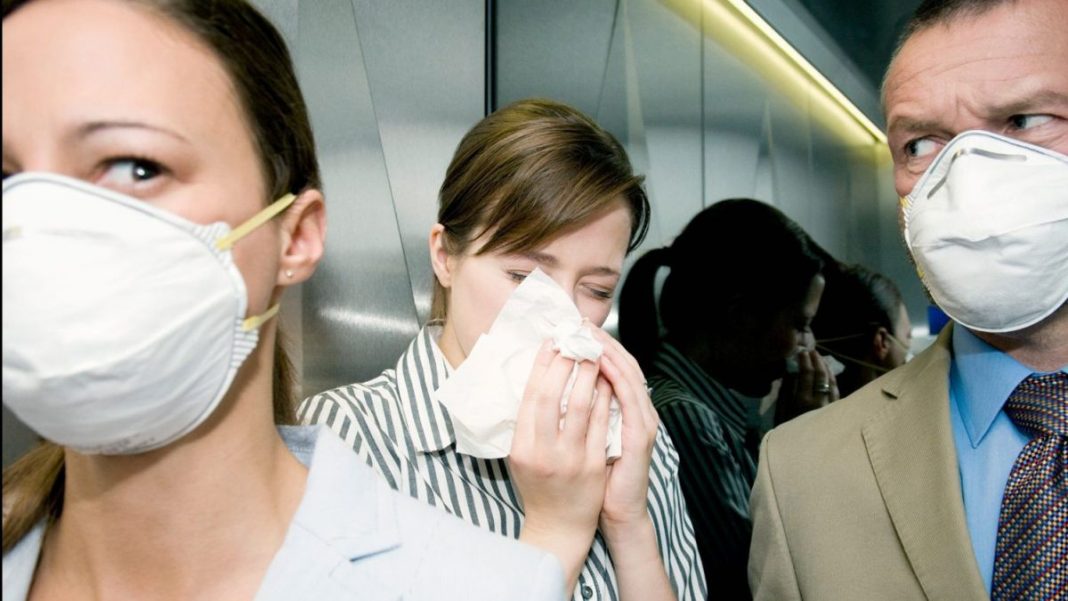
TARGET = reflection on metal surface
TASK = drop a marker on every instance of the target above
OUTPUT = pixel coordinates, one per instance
(739, 28)
(391, 88)
(363, 270)
(535, 39)
(425, 74)
(364, 321)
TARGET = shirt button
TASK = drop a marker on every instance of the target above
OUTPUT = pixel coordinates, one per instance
(587, 592)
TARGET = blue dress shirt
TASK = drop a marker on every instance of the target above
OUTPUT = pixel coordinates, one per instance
(355, 538)
(981, 379)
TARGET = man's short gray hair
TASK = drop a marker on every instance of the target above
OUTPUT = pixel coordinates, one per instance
(939, 12)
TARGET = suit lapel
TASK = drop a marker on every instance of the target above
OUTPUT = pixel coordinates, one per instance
(910, 445)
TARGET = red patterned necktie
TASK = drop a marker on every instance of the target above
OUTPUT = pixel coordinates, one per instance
(1031, 556)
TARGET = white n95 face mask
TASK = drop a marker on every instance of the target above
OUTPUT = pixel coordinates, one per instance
(987, 226)
(123, 325)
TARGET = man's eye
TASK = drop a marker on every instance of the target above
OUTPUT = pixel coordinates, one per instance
(517, 276)
(919, 147)
(1029, 121)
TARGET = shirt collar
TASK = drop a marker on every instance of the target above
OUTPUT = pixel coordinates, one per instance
(355, 514)
(20, 563)
(729, 405)
(420, 371)
(981, 379)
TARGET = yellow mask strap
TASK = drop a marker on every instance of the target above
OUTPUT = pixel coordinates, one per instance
(239, 232)
(251, 323)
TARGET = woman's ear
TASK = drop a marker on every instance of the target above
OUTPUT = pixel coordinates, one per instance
(440, 259)
(303, 238)
(880, 344)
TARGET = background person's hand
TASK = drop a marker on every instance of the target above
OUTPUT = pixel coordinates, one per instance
(812, 387)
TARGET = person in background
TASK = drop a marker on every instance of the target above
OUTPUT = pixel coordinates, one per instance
(945, 479)
(742, 289)
(863, 323)
(535, 185)
(161, 192)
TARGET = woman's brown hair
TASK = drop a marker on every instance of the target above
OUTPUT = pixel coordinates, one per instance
(528, 173)
(255, 57)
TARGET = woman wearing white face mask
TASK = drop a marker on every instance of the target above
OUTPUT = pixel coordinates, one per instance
(154, 211)
(535, 185)
(863, 323)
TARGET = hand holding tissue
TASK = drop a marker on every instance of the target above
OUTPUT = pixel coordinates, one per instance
(483, 395)
(834, 365)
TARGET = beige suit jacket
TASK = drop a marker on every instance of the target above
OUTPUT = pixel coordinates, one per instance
(861, 500)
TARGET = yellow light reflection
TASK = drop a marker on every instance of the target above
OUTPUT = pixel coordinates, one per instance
(746, 35)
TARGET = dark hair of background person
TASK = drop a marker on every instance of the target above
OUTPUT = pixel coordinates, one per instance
(855, 304)
(255, 57)
(528, 173)
(737, 256)
(934, 12)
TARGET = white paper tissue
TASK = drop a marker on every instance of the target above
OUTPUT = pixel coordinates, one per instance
(833, 364)
(483, 395)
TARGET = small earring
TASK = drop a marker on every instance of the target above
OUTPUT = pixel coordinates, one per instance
(289, 273)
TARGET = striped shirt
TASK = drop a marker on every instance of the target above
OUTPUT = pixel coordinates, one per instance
(708, 424)
(394, 425)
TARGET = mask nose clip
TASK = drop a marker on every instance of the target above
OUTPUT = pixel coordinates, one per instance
(966, 151)
(990, 154)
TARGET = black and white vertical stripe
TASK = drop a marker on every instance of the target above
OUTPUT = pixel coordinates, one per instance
(707, 423)
(399, 430)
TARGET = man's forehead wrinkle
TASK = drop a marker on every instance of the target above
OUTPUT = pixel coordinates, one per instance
(905, 92)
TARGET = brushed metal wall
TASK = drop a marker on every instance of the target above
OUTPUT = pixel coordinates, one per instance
(391, 88)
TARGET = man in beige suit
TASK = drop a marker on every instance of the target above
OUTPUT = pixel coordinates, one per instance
(912, 488)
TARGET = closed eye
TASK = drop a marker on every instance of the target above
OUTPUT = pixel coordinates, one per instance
(601, 293)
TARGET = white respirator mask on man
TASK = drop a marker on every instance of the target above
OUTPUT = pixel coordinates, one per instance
(123, 324)
(987, 226)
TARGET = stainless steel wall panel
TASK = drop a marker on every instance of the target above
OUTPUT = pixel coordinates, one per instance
(426, 75)
(665, 50)
(285, 14)
(358, 309)
(553, 48)
(17, 437)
